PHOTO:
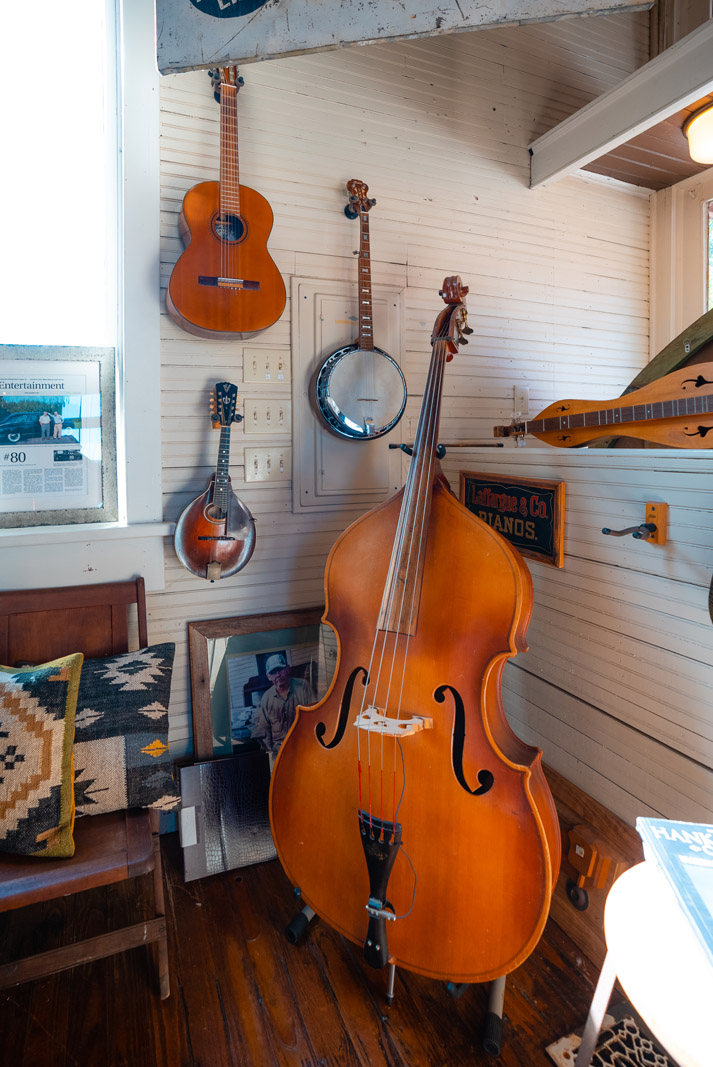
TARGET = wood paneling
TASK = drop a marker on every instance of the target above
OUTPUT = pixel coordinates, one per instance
(242, 996)
(657, 158)
(439, 129)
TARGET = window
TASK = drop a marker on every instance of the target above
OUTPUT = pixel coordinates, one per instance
(682, 257)
(80, 297)
(58, 275)
(709, 259)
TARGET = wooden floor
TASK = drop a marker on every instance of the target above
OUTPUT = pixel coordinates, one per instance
(243, 996)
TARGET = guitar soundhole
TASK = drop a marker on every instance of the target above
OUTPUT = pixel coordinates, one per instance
(214, 513)
(229, 228)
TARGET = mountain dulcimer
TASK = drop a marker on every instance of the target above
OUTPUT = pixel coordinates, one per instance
(676, 410)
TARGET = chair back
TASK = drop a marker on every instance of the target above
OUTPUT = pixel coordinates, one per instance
(38, 625)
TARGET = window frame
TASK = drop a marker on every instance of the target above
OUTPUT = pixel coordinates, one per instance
(679, 257)
(134, 544)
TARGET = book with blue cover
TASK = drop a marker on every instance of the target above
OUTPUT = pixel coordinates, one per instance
(683, 851)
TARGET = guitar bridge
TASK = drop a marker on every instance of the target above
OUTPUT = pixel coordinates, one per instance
(227, 283)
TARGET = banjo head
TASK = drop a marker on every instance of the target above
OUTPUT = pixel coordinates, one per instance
(360, 393)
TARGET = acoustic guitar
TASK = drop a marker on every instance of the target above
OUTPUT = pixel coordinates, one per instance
(359, 390)
(225, 284)
(215, 535)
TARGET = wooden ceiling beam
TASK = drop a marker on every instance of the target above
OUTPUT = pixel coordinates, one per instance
(663, 86)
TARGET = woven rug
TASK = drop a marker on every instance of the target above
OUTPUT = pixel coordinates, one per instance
(624, 1041)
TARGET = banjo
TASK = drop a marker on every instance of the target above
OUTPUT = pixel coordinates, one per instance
(359, 390)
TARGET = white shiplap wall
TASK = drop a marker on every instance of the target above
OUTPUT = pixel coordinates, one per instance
(558, 280)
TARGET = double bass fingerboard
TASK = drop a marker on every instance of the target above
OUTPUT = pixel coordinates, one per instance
(400, 603)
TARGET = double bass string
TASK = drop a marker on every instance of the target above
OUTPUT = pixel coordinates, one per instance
(418, 487)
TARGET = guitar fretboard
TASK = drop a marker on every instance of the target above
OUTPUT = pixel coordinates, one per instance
(229, 176)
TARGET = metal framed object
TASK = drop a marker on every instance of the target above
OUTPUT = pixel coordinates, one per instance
(57, 435)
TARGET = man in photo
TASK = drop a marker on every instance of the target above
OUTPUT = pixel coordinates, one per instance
(276, 710)
(45, 421)
(57, 419)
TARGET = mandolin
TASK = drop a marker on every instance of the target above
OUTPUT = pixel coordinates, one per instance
(670, 411)
(403, 806)
(225, 284)
(215, 535)
(359, 390)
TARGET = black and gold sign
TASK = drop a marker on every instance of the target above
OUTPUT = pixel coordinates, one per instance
(528, 513)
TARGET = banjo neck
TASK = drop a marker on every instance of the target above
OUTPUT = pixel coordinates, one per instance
(366, 323)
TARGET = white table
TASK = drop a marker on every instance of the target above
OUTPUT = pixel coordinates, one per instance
(653, 951)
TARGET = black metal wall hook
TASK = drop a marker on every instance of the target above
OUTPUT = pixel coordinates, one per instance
(640, 531)
(408, 449)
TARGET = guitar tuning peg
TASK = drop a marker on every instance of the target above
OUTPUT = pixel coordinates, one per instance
(372, 202)
(467, 329)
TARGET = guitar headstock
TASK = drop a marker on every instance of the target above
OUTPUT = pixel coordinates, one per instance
(225, 76)
(223, 404)
(452, 323)
(358, 200)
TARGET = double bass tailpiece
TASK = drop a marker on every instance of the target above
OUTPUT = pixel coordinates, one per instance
(381, 841)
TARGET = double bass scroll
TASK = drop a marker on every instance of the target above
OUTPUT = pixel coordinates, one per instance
(403, 806)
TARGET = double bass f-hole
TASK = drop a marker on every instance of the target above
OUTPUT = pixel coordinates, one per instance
(485, 778)
(321, 728)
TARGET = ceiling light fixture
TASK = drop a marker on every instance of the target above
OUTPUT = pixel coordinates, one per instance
(698, 128)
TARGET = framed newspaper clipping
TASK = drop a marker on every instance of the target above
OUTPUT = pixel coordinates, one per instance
(57, 435)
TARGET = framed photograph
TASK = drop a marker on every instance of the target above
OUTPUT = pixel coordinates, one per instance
(57, 435)
(249, 673)
(528, 512)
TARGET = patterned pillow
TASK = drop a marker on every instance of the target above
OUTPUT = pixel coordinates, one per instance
(37, 706)
(121, 757)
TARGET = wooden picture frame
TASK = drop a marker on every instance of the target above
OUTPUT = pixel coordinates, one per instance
(262, 634)
(528, 512)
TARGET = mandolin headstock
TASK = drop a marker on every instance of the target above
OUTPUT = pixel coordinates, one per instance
(225, 76)
(452, 323)
(358, 199)
(223, 404)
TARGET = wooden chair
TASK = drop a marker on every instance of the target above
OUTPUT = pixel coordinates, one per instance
(37, 626)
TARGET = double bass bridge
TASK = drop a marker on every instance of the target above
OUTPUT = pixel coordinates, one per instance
(377, 721)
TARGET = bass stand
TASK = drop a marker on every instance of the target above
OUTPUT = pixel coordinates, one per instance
(296, 928)
(493, 1028)
(390, 983)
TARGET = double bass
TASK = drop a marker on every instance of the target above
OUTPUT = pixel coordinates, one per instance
(404, 808)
